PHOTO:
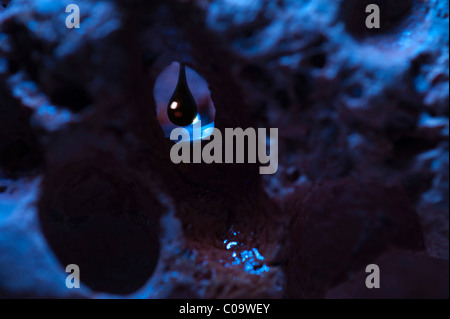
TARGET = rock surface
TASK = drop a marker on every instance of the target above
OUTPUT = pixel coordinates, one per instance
(85, 173)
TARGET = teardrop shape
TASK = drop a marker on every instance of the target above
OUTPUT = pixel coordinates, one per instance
(182, 108)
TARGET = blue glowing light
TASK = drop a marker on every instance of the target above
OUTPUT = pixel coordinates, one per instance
(251, 260)
(246, 255)
(47, 110)
(205, 131)
(251, 264)
(6, 208)
(32, 25)
(257, 254)
(49, 7)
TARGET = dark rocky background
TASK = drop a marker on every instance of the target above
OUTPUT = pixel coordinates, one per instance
(86, 178)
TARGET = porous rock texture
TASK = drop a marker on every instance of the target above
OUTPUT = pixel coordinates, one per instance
(86, 178)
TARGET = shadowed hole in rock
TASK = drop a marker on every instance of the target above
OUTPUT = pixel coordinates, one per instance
(78, 220)
(293, 174)
(355, 91)
(257, 76)
(29, 50)
(20, 150)
(302, 87)
(54, 216)
(318, 60)
(407, 146)
(72, 96)
(282, 98)
(19, 155)
(104, 219)
(148, 58)
(13, 67)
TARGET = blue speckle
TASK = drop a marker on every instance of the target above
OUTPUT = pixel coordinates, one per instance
(246, 254)
(252, 265)
(427, 120)
(259, 271)
(257, 254)
(47, 110)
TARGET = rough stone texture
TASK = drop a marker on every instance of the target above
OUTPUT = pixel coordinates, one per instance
(84, 164)
(353, 224)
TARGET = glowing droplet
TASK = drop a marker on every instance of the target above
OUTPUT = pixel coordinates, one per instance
(182, 110)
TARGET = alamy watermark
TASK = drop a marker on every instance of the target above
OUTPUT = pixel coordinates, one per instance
(257, 142)
(73, 280)
(373, 280)
(372, 20)
(73, 19)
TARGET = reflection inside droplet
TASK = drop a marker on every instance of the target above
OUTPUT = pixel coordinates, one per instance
(196, 120)
(164, 90)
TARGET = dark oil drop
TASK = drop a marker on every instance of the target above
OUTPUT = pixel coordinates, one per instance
(182, 108)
